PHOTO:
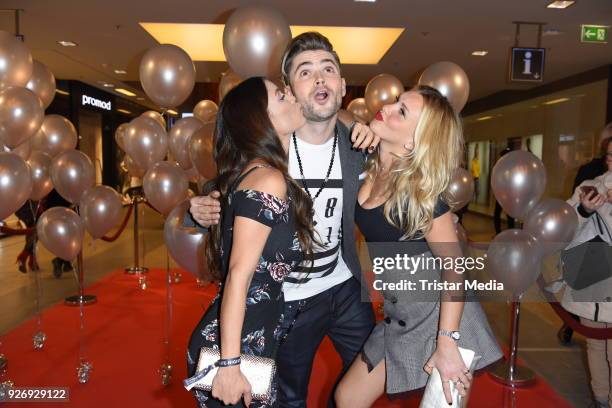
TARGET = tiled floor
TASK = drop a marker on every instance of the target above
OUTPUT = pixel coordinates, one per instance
(563, 367)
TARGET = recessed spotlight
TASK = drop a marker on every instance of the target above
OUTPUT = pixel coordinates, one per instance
(172, 112)
(67, 43)
(365, 1)
(107, 85)
(560, 4)
(555, 101)
(120, 72)
(140, 98)
(127, 112)
(480, 53)
(484, 118)
(62, 92)
(125, 92)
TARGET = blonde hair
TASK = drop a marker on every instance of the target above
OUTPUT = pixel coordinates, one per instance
(420, 177)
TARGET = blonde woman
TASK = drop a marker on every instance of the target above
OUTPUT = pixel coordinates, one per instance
(402, 200)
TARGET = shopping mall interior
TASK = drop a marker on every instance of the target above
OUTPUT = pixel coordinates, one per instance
(100, 297)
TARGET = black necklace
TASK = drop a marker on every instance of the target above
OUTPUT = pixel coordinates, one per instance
(331, 164)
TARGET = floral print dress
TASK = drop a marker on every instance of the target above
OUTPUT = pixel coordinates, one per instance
(264, 303)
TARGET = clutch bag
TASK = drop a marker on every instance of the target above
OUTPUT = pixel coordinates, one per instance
(259, 372)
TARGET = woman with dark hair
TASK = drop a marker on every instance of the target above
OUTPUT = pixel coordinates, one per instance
(265, 231)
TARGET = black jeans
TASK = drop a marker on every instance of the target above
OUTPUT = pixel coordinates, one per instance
(338, 313)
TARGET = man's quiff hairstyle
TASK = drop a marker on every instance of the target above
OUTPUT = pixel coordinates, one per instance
(308, 41)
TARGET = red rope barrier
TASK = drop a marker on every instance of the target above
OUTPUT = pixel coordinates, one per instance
(18, 231)
(121, 227)
(151, 207)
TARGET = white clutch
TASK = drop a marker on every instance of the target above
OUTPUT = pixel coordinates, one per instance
(433, 397)
(259, 372)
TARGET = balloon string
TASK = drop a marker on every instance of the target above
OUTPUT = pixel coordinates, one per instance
(169, 309)
(116, 235)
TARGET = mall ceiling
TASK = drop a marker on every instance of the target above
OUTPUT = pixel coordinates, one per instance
(109, 37)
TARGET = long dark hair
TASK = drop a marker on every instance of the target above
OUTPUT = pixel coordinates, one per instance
(244, 133)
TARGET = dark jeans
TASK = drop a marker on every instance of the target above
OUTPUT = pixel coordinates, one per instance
(338, 313)
(497, 218)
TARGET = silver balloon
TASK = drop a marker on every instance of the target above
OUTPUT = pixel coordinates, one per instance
(201, 151)
(229, 79)
(518, 180)
(460, 189)
(61, 232)
(205, 110)
(42, 83)
(450, 80)
(186, 245)
(100, 209)
(146, 142)
(15, 183)
(165, 185)
(254, 39)
(15, 61)
(359, 108)
(56, 135)
(23, 150)
(553, 223)
(179, 137)
(72, 172)
(156, 116)
(21, 114)
(120, 135)
(167, 75)
(514, 259)
(40, 163)
(382, 90)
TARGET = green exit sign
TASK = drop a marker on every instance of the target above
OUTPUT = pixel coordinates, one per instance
(594, 34)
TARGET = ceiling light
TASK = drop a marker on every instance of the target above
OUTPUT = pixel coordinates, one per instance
(120, 72)
(554, 101)
(172, 112)
(140, 98)
(204, 42)
(62, 92)
(125, 92)
(107, 85)
(560, 4)
(481, 53)
(127, 112)
(365, 1)
(549, 32)
(67, 43)
(484, 118)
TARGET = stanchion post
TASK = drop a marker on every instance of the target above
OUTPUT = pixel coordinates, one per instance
(136, 269)
(81, 298)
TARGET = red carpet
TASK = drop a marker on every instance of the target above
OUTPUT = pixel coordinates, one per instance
(123, 340)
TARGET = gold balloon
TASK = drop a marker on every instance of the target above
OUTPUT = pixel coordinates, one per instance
(72, 172)
(40, 164)
(42, 83)
(17, 65)
(21, 114)
(450, 80)
(165, 185)
(61, 232)
(179, 138)
(167, 75)
(100, 209)
(15, 183)
(146, 142)
(156, 116)
(254, 39)
(383, 89)
(56, 135)
(205, 110)
(359, 108)
(229, 79)
(201, 151)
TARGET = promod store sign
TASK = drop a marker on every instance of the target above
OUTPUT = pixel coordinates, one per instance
(87, 100)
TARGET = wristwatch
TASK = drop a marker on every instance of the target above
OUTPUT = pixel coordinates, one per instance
(455, 335)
